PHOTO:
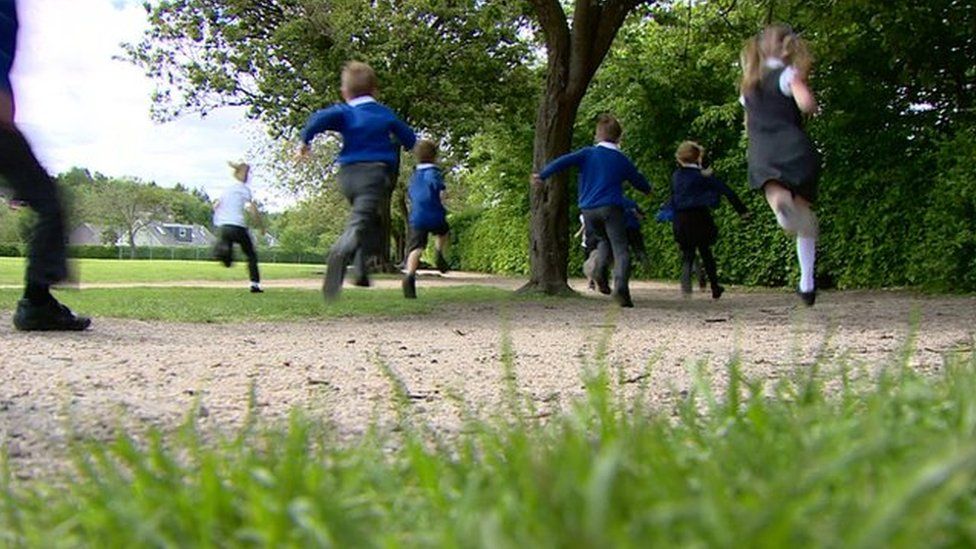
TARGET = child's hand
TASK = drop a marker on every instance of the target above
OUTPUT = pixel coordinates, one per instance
(536, 180)
(304, 152)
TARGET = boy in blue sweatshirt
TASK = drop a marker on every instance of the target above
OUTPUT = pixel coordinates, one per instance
(427, 214)
(47, 262)
(368, 157)
(602, 172)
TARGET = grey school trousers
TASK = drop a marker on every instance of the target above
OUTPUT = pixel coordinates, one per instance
(610, 229)
(364, 185)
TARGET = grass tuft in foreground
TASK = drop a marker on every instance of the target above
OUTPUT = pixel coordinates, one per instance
(885, 461)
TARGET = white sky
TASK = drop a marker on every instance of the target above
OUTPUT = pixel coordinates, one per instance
(79, 107)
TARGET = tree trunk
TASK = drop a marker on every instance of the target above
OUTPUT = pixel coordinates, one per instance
(132, 244)
(549, 202)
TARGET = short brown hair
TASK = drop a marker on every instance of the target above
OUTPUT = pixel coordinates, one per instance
(689, 152)
(607, 128)
(426, 151)
(359, 79)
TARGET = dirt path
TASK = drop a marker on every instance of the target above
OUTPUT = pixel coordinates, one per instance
(140, 373)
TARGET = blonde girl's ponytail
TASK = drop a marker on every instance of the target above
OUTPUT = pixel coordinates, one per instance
(751, 61)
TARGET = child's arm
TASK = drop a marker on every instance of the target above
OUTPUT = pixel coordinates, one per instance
(803, 95)
(637, 179)
(727, 191)
(330, 119)
(404, 133)
(564, 162)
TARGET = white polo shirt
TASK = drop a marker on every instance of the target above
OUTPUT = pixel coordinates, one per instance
(230, 208)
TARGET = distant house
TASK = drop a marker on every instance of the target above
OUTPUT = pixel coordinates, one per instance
(153, 234)
(87, 234)
(174, 234)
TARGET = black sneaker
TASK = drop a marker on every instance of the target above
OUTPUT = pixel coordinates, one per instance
(410, 287)
(717, 291)
(362, 281)
(335, 271)
(623, 298)
(442, 265)
(51, 316)
(256, 290)
(808, 298)
(603, 286)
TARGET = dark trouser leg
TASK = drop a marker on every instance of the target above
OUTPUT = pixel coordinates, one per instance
(363, 185)
(709, 260)
(617, 235)
(47, 261)
(601, 254)
(687, 268)
(244, 239)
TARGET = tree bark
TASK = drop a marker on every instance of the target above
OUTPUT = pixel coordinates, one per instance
(574, 55)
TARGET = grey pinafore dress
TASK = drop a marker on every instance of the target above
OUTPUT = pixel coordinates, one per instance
(779, 149)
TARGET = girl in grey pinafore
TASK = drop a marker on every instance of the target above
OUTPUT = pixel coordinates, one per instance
(782, 160)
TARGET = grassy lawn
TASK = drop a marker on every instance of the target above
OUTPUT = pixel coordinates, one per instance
(884, 462)
(237, 305)
(113, 270)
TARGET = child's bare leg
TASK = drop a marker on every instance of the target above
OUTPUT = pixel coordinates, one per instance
(780, 200)
(413, 261)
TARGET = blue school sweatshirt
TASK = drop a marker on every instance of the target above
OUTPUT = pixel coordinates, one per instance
(426, 210)
(690, 189)
(366, 127)
(602, 172)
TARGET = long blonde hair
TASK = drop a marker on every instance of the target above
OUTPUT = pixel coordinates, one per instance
(777, 40)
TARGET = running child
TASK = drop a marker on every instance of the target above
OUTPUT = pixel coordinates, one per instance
(366, 162)
(693, 194)
(782, 160)
(230, 218)
(47, 262)
(427, 214)
(602, 172)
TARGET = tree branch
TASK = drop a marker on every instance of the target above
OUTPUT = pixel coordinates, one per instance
(554, 25)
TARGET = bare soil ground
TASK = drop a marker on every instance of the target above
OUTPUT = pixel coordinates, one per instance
(138, 374)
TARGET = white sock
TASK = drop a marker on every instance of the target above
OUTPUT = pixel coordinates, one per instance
(255, 284)
(806, 252)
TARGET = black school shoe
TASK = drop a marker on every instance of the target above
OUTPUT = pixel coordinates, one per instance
(51, 316)
(335, 271)
(410, 287)
(808, 298)
(623, 298)
(442, 265)
(717, 291)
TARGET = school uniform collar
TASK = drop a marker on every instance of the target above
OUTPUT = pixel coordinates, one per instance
(361, 100)
(774, 63)
(425, 166)
(608, 145)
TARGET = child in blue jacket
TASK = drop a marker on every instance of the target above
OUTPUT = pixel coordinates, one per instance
(427, 214)
(602, 172)
(693, 195)
(368, 157)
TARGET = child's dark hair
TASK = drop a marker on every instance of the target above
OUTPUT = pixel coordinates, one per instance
(425, 150)
(689, 152)
(608, 128)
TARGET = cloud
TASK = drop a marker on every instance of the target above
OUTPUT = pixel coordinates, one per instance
(81, 107)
